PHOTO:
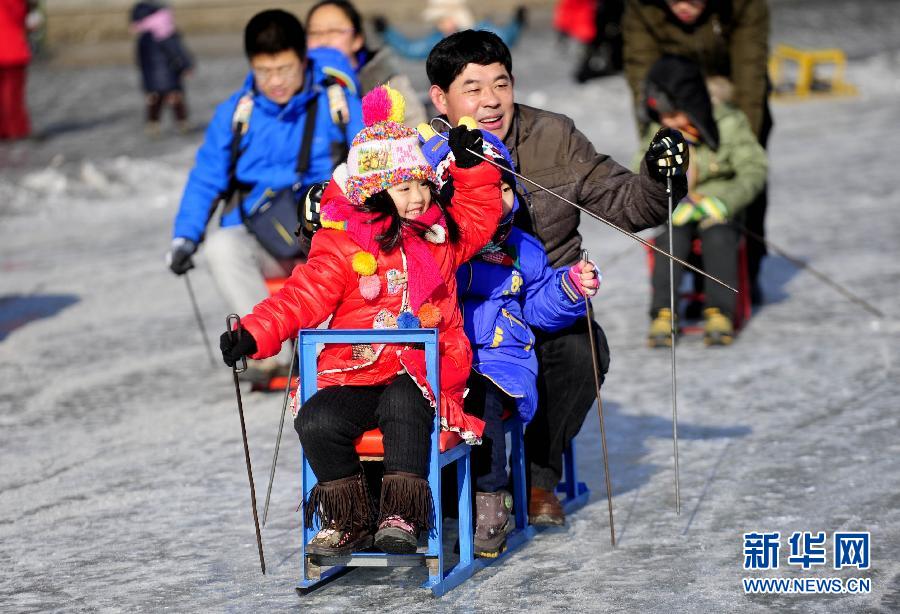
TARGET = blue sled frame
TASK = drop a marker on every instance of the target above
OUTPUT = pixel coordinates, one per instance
(440, 580)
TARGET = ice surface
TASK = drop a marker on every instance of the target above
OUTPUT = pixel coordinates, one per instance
(123, 484)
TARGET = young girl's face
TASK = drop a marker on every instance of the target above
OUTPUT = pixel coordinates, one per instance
(509, 197)
(412, 198)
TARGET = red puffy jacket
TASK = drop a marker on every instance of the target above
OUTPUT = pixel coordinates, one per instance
(13, 41)
(326, 285)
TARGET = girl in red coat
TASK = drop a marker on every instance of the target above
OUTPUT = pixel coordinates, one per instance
(14, 57)
(386, 257)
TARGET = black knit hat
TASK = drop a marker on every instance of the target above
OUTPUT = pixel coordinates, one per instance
(142, 10)
(675, 83)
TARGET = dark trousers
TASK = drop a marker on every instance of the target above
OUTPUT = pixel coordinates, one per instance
(720, 244)
(330, 421)
(755, 213)
(565, 395)
(486, 401)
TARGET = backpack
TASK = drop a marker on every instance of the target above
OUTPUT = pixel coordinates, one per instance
(275, 220)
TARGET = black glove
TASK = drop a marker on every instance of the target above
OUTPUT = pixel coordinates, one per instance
(179, 256)
(461, 139)
(309, 209)
(235, 345)
(667, 155)
(379, 23)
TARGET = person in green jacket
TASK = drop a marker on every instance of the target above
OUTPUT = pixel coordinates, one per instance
(727, 171)
(727, 38)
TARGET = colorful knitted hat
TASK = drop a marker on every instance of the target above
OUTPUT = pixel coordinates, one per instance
(385, 152)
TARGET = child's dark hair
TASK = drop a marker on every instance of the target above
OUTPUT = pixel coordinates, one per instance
(346, 8)
(383, 206)
(274, 31)
(451, 56)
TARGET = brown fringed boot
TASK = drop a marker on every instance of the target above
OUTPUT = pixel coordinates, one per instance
(345, 514)
(405, 509)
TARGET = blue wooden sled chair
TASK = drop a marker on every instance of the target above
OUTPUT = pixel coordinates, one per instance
(446, 448)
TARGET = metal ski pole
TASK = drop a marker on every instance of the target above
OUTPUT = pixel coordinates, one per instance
(593, 215)
(199, 318)
(820, 276)
(236, 320)
(287, 391)
(590, 329)
(672, 332)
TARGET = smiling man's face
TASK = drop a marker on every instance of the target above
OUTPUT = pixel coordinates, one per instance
(484, 93)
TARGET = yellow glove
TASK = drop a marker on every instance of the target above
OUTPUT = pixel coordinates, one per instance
(685, 212)
(712, 211)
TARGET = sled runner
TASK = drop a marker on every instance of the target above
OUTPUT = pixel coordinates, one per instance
(446, 449)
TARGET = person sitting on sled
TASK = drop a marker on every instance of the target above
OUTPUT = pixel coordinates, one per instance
(505, 290)
(727, 172)
(385, 257)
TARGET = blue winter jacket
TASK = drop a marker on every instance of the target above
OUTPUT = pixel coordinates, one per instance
(270, 146)
(418, 48)
(501, 304)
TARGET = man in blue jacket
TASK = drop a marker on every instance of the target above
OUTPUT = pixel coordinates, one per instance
(251, 151)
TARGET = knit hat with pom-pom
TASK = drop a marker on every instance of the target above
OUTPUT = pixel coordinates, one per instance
(385, 152)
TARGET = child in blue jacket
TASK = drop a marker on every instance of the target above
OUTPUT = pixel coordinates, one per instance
(507, 289)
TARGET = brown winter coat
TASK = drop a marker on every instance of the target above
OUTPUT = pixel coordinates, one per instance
(547, 148)
(730, 39)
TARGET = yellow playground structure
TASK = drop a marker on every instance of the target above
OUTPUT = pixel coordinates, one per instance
(805, 82)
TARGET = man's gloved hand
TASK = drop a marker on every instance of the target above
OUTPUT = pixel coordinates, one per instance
(179, 256)
(667, 155)
(461, 140)
(235, 345)
(379, 23)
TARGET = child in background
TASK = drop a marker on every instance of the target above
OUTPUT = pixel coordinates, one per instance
(727, 171)
(505, 290)
(385, 257)
(164, 62)
(447, 17)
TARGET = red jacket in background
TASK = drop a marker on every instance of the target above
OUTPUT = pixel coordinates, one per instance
(326, 285)
(576, 18)
(14, 49)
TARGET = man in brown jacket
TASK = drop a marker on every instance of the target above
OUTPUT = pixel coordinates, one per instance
(728, 38)
(471, 75)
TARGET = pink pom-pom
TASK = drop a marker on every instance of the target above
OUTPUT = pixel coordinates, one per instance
(334, 212)
(376, 106)
(369, 286)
